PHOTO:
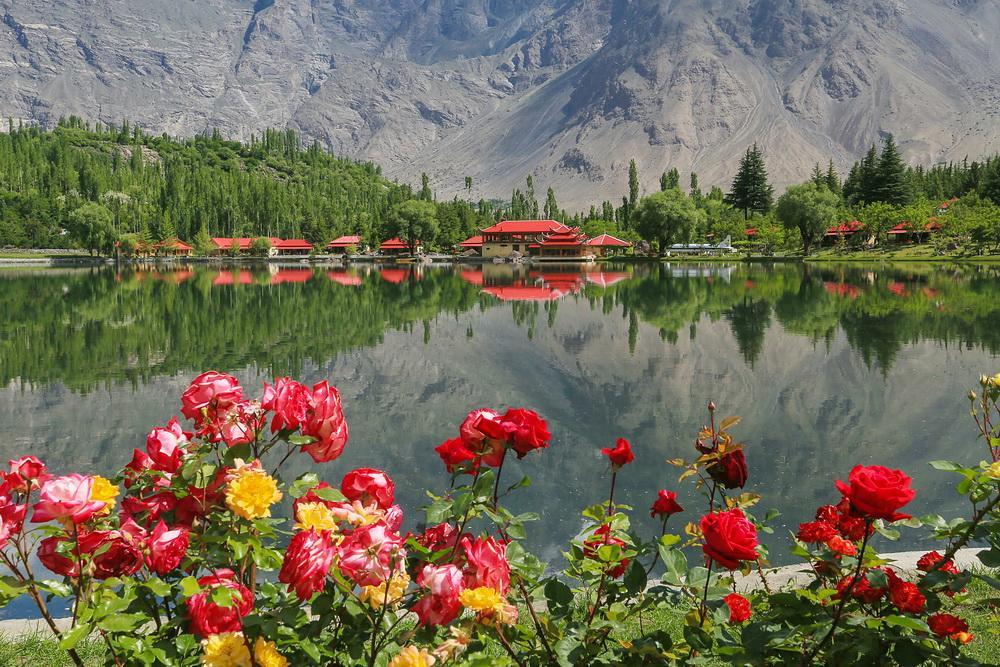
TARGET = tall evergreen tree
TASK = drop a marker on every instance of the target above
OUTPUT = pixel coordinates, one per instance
(633, 185)
(867, 191)
(891, 184)
(832, 178)
(750, 191)
(694, 188)
(817, 176)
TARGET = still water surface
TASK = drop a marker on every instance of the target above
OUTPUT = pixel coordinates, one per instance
(829, 366)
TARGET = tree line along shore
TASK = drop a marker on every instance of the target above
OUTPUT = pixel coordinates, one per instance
(103, 188)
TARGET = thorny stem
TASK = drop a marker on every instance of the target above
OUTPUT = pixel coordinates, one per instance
(506, 644)
(808, 659)
(465, 518)
(656, 558)
(703, 609)
(604, 572)
(378, 623)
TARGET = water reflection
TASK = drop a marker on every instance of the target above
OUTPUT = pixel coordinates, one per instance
(829, 365)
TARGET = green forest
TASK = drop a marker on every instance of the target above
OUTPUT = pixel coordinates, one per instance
(91, 187)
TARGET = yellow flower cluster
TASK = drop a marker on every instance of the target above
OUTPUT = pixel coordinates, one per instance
(375, 595)
(993, 470)
(104, 491)
(316, 516)
(229, 649)
(251, 493)
(481, 599)
(411, 656)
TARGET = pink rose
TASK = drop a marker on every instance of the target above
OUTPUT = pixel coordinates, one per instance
(166, 446)
(206, 617)
(484, 435)
(66, 498)
(26, 473)
(167, 548)
(486, 563)
(326, 424)
(211, 391)
(11, 518)
(289, 401)
(370, 555)
(369, 486)
(442, 580)
(238, 424)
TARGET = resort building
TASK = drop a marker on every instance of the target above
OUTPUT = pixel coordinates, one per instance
(396, 246)
(343, 244)
(845, 231)
(174, 248)
(905, 233)
(605, 245)
(290, 247)
(474, 243)
(510, 236)
(564, 245)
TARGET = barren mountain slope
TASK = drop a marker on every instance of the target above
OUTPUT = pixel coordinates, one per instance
(567, 90)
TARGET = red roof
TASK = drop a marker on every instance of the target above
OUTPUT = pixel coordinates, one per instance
(225, 243)
(752, 231)
(396, 244)
(526, 227)
(946, 204)
(569, 237)
(901, 228)
(932, 225)
(291, 276)
(523, 293)
(291, 244)
(344, 241)
(845, 229)
(472, 242)
(608, 241)
(174, 244)
(344, 278)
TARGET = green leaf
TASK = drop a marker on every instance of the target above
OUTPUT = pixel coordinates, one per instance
(301, 440)
(75, 636)
(57, 588)
(907, 622)
(635, 578)
(190, 586)
(158, 587)
(122, 622)
(948, 466)
(675, 563)
(242, 451)
(558, 594)
(990, 557)
(223, 596)
(301, 486)
(330, 494)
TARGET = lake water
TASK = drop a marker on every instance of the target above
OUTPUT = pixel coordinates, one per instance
(829, 366)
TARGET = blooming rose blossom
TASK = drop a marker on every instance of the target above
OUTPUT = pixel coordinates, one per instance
(307, 562)
(739, 607)
(140, 463)
(369, 486)
(485, 563)
(839, 545)
(165, 447)
(434, 610)
(927, 562)
(251, 492)
(665, 505)
(411, 656)
(167, 548)
(26, 473)
(601, 537)
(441, 536)
(289, 401)
(730, 470)
(325, 423)
(485, 436)
(729, 538)
(455, 454)
(862, 589)
(67, 497)
(371, 554)
(207, 618)
(11, 518)
(878, 492)
(443, 580)
(444, 583)
(112, 554)
(620, 455)
(48, 554)
(814, 532)
(946, 625)
(209, 393)
(238, 424)
(906, 596)
(149, 509)
(527, 431)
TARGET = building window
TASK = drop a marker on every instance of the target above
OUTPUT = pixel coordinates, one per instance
(517, 246)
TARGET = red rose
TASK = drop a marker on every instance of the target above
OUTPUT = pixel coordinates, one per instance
(946, 625)
(113, 555)
(211, 391)
(906, 596)
(878, 492)
(11, 518)
(839, 545)
(485, 563)
(307, 562)
(371, 555)
(236, 425)
(167, 548)
(369, 485)
(739, 607)
(527, 431)
(601, 537)
(437, 609)
(815, 532)
(48, 554)
(929, 560)
(165, 447)
(455, 454)
(26, 473)
(729, 538)
(862, 590)
(441, 536)
(620, 455)
(665, 505)
(289, 401)
(206, 617)
(140, 463)
(484, 435)
(828, 514)
(730, 470)
(153, 506)
(326, 424)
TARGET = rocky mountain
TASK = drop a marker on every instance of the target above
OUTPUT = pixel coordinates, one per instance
(566, 90)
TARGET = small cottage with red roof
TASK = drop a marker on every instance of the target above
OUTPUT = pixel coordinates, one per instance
(843, 231)
(396, 246)
(344, 243)
(606, 244)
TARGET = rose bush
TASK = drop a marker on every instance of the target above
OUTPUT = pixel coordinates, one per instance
(180, 560)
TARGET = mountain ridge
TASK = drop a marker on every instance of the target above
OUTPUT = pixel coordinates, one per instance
(567, 91)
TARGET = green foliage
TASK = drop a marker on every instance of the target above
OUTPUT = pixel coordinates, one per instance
(809, 208)
(260, 246)
(413, 221)
(666, 216)
(750, 191)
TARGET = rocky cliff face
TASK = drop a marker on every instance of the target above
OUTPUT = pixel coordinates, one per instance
(566, 90)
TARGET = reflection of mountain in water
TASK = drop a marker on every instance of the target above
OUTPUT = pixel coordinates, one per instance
(84, 328)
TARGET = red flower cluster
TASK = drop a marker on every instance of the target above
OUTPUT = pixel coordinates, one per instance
(946, 625)
(739, 607)
(208, 618)
(729, 538)
(485, 436)
(904, 595)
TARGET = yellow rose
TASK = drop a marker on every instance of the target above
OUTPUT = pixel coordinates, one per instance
(266, 654)
(993, 470)
(375, 595)
(251, 493)
(481, 599)
(316, 516)
(227, 649)
(411, 656)
(105, 492)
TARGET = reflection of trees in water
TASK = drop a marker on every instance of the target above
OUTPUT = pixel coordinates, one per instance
(87, 328)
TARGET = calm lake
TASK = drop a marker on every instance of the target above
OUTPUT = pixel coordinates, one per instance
(829, 366)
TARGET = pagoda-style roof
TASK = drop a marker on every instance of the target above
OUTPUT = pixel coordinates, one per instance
(570, 238)
(526, 227)
(608, 241)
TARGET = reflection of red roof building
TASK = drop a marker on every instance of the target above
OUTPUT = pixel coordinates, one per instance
(842, 290)
(472, 277)
(472, 242)
(233, 278)
(177, 277)
(523, 293)
(291, 276)
(344, 278)
(394, 276)
(897, 288)
(344, 242)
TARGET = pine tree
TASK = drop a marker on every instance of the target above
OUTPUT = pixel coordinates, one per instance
(750, 190)
(867, 191)
(832, 178)
(817, 176)
(670, 179)
(425, 188)
(891, 181)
